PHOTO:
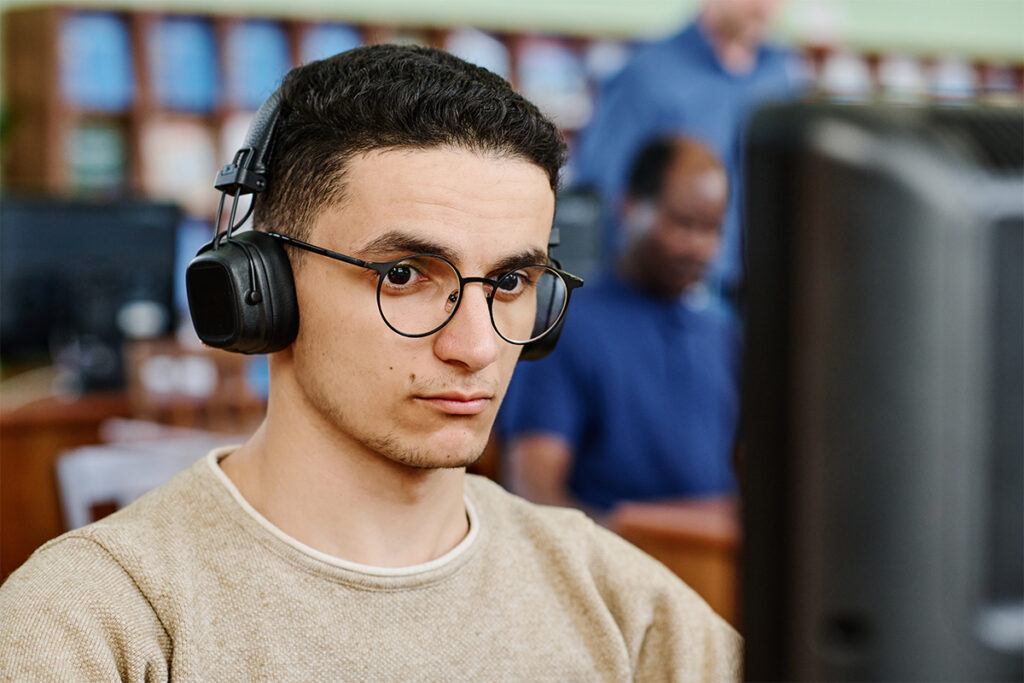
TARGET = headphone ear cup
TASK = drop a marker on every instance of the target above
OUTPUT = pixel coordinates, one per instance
(536, 350)
(551, 301)
(241, 294)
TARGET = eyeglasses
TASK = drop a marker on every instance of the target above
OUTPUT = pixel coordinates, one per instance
(418, 295)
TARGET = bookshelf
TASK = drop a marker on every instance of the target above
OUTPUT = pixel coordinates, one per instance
(106, 103)
(112, 102)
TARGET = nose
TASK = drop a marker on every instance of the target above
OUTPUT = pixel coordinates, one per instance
(697, 241)
(469, 339)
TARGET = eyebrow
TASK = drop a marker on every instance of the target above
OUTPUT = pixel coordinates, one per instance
(397, 241)
(523, 258)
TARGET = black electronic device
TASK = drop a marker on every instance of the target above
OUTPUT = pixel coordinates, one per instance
(240, 286)
(883, 396)
(241, 294)
(577, 231)
(78, 277)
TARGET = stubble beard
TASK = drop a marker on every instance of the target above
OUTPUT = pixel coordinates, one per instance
(388, 446)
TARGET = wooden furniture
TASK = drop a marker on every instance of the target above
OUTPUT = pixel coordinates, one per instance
(32, 437)
(698, 539)
(37, 428)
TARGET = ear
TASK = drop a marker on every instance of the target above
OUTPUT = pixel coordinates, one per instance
(638, 216)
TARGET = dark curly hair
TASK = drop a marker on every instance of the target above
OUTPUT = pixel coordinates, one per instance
(384, 97)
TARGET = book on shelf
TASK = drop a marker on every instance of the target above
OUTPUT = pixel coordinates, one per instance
(96, 68)
(320, 41)
(257, 58)
(182, 54)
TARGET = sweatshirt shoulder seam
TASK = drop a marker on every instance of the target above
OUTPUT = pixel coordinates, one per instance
(89, 538)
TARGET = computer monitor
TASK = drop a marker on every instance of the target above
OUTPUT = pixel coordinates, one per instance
(77, 277)
(883, 398)
(578, 227)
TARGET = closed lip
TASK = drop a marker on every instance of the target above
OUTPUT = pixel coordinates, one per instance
(458, 403)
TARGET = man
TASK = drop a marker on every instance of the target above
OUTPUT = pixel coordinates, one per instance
(703, 83)
(344, 539)
(640, 399)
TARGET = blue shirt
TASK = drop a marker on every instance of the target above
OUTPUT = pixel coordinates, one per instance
(677, 85)
(645, 390)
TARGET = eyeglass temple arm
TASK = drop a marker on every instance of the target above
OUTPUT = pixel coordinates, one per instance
(571, 281)
(319, 250)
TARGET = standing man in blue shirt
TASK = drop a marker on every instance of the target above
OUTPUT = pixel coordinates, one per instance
(703, 83)
(639, 401)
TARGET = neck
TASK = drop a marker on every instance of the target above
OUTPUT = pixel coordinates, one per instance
(629, 269)
(632, 271)
(736, 55)
(340, 498)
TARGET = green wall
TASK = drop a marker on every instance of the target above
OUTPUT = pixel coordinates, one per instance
(979, 28)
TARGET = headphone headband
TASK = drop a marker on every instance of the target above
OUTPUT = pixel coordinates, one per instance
(247, 172)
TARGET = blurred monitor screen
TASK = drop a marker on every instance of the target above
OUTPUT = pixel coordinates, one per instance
(884, 394)
(78, 277)
(577, 226)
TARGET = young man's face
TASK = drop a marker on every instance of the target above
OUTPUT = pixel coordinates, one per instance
(429, 401)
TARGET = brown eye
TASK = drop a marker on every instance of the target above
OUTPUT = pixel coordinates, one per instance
(399, 275)
(510, 282)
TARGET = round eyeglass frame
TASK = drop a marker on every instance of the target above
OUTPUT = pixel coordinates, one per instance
(382, 268)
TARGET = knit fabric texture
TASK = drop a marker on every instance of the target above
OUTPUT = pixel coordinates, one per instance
(190, 583)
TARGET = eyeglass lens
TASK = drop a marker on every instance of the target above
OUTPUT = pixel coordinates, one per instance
(418, 296)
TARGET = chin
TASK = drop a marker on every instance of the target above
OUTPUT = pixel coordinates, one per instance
(687, 281)
(437, 451)
(424, 460)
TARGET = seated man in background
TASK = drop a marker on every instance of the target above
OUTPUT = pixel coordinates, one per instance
(344, 540)
(702, 82)
(640, 399)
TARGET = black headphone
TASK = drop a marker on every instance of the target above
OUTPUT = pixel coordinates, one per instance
(241, 292)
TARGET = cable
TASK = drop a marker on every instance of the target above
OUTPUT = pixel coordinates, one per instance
(248, 213)
(234, 207)
(216, 229)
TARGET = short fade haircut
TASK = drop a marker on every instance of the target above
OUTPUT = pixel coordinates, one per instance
(647, 174)
(388, 97)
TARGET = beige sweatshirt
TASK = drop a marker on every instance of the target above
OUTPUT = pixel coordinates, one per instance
(190, 583)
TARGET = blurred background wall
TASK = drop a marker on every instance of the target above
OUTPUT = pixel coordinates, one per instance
(981, 27)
